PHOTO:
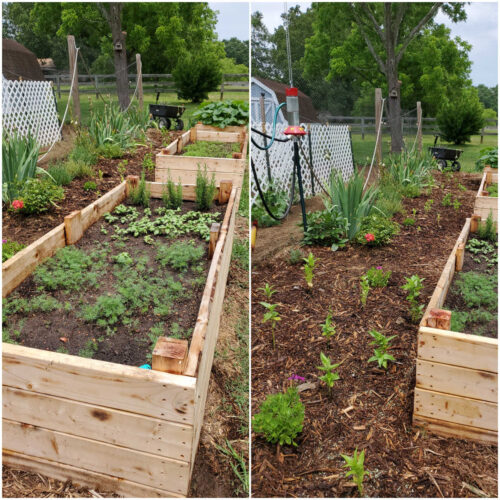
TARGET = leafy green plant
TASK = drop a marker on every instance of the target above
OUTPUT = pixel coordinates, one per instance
(222, 114)
(61, 175)
(281, 417)
(456, 204)
(90, 348)
(377, 277)
(477, 290)
(110, 150)
(148, 163)
(238, 465)
(330, 375)
(271, 315)
(276, 200)
(383, 344)
(356, 467)
(84, 152)
(205, 189)
(211, 149)
(350, 200)
(180, 255)
(10, 248)
(365, 289)
(328, 328)
(123, 259)
(409, 221)
(447, 199)
(38, 195)
(90, 186)
(428, 206)
(489, 156)
(106, 311)
(382, 228)
(326, 227)
(459, 319)
(413, 286)
(492, 190)
(172, 194)
(140, 194)
(268, 290)
(309, 265)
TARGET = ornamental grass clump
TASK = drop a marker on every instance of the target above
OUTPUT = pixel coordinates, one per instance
(281, 417)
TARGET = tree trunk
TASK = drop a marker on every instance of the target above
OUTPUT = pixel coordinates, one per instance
(120, 53)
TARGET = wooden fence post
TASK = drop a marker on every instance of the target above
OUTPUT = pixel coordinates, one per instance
(140, 94)
(363, 128)
(378, 114)
(222, 88)
(72, 63)
(58, 79)
(419, 126)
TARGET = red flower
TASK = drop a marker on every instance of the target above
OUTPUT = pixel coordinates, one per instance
(369, 237)
(17, 204)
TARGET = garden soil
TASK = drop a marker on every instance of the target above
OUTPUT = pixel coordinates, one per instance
(368, 408)
(26, 229)
(212, 475)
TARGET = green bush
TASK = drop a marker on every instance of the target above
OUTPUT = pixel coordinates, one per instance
(222, 114)
(460, 118)
(382, 228)
(61, 175)
(276, 200)
(196, 75)
(326, 227)
(489, 156)
(281, 417)
(10, 248)
(205, 189)
(38, 195)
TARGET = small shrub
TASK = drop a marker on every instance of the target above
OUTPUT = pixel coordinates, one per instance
(90, 186)
(205, 189)
(109, 150)
(326, 227)
(281, 417)
(140, 194)
(172, 194)
(61, 175)
(10, 248)
(180, 255)
(381, 227)
(376, 277)
(38, 195)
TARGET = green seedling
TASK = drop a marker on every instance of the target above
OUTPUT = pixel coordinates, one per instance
(383, 344)
(328, 328)
(409, 221)
(268, 290)
(413, 286)
(356, 467)
(330, 375)
(438, 219)
(365, 289)
(271, 315)
(446, 201)
(309, 266)
(456, 204)
(295, 256)
(428, 206)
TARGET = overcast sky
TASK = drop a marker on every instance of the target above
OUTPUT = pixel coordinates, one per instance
(233, 19)
(480, 30)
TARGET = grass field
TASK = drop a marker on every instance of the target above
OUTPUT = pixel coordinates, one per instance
(89, 100)
(363, 149)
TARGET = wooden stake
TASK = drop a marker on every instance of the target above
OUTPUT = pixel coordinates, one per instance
(225, 188)
(214, 236)
(170, 355)
(192, 135)
(439, 318)
(378, 114)
(475, 220)
(419, 126)
(132, 182)
(72, 62)
(485, 193)
(140, 94)
(459, 257)
(73, 227)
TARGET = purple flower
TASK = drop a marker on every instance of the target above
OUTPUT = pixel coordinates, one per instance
(379, 267)
(4, 241)
(297, 377)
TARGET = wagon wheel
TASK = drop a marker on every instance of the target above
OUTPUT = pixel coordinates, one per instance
(455, 166)
(442, 164)
(179, 124)
(164, 123)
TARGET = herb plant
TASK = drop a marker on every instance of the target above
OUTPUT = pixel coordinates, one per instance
(172, 194)
(180, 255)
(295, 256)
(330, 375)
(486, 230)
(140, 194)
(413, 286)
(428, 206)
(205, 189)
(326, 227)
(356, 467)
(381, 227)
(447, 200)
(310, 264)
(280, 418)
(38, 195)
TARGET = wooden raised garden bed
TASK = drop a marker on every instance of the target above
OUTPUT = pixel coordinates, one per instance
(456, 391)
(171, 162)
(484, 203)
(106, 425)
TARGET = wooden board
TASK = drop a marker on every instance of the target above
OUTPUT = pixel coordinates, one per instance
(147, 392)
(206, 135)
(458, 349)
(85, 478)
(101, 423)
(93, 212)
(180, 163)
(449, 429)
(457, 380)
(22, 264)
(456, 409)
(135, 466)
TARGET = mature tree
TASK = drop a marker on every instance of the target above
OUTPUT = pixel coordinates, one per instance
(386, 30)
(488, 96)
(261, 38)
(237, 50)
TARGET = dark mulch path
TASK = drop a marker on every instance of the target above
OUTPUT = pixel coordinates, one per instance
(129, 344)
(369, 409)
(27, 229)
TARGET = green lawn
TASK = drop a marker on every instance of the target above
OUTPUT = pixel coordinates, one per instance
(363, 149)
(88, 100)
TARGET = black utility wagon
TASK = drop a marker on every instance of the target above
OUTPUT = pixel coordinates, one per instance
(164, 114)
(443, 155)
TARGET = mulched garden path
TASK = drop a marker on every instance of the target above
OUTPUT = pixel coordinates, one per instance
(26, 229)
(369, 409)
(129, 341)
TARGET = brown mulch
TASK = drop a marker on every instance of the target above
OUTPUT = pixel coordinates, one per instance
(368, 409)
(26, 229)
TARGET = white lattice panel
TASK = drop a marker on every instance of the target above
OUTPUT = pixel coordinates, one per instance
(331, 149)
(29, 107)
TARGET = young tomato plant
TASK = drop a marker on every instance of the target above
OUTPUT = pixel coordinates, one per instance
(356, 468)
(328, 328)
(271, 315)
(310, 264)
(268, 290)
(383, 344)
(413, 286)
(330, 375)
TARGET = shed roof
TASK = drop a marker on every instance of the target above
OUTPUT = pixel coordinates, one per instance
(19, 62)
(307, 112)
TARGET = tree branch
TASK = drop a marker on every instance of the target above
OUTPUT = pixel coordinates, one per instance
(416, 29)
(368, 42)
(401, 9)
(104, 11)
(369, 13)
